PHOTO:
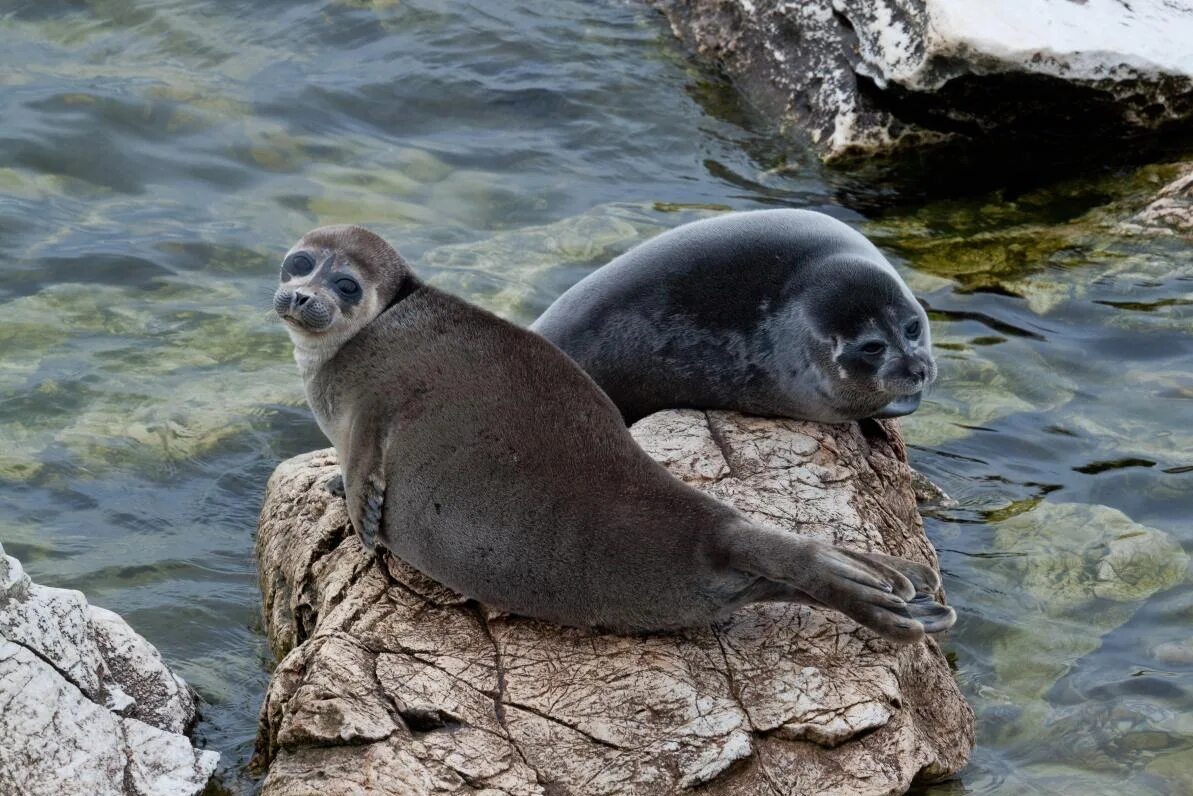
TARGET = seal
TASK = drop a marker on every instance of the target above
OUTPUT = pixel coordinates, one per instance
(783, 313)
(483, 456)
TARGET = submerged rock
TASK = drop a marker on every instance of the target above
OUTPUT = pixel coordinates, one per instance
(865, 76)
(391, 684)
(1071, 573)
(89, 708)
(1101, 554)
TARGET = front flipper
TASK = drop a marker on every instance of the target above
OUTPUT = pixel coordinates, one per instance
(924, 579)
(891, 596)
(364, 484)
(335, 485)
(903, 405)
(364, 507)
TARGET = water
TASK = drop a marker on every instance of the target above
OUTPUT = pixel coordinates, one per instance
(157, 157)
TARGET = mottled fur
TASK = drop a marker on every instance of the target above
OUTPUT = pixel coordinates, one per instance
(496, 466)
(765, 312)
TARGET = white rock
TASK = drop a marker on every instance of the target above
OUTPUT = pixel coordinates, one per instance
(922, 44)
(14, 583)
(1125, 67)
(88, 706)
(161, 697)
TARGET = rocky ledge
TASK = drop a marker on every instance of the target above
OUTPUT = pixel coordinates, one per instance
(871, 76)
(391, 684)
(87, 707)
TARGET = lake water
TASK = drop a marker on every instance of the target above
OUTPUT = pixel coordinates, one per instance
(157, 158)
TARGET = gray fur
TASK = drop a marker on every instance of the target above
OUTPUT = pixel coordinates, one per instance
(501, 470)
(761, 312)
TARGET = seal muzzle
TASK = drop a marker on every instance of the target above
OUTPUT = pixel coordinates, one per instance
(308, 311)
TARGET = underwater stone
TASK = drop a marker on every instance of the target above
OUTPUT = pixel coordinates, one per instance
(1171, 210)
(1069, 574)
(1073, 553)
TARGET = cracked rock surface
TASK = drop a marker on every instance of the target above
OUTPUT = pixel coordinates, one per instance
(87, 706)
(868, 76)
(392, 684)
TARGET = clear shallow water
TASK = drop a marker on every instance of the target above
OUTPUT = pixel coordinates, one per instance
(156, 158)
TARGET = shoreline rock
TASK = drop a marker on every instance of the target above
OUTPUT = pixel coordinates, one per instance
(390, 683)
(1170, 212)
(88, 706)
(866, 77)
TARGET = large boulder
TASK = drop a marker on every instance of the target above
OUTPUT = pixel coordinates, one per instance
(87, 707)
(868, 76)
(390, 683)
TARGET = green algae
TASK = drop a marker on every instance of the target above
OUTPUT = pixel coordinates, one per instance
(1046, 245)
(200, 377)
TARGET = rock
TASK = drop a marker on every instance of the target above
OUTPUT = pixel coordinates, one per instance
(1172, 209)
(1102, 554)
(89, 708)
(390, 683)
(929, 495)
(1174, 653)
(1068, 575)
(868, 76)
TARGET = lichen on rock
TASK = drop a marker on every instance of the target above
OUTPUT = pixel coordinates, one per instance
(390, 683)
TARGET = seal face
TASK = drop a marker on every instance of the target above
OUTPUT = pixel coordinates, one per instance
(482, 455)
(775, 312)
(333, 282)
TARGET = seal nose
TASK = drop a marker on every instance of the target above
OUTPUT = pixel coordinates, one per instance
(301, 298)
(918, 370)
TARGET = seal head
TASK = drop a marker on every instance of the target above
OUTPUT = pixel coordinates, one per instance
(869, 337)
(333, 281)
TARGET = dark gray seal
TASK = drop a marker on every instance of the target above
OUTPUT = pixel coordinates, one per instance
(480, 454)
(786, 313)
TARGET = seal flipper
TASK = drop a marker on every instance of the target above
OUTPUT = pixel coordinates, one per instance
(881, 592)
(364, 508)
(903, 405)
(364, 485)
(335, 485)
(924, 580)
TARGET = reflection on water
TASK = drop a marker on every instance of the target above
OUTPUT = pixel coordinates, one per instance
(156, 158)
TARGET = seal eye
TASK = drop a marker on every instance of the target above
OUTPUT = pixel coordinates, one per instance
(874, 347)
(347, 286)
(299, 264)
(913, 330)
